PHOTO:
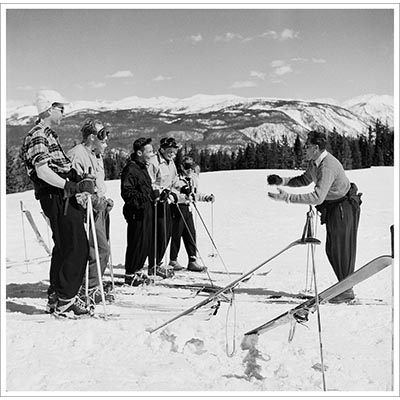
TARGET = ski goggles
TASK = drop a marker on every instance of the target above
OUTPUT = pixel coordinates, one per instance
(103, 133)
(188, 165)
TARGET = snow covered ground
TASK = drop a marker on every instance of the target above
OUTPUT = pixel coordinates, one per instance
(45, 356)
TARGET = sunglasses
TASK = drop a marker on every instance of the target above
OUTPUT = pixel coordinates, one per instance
(61, 108)
(187, 166)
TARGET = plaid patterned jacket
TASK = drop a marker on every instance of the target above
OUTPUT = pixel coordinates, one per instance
(41, 146)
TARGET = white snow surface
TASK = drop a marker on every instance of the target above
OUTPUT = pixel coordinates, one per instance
(47, 356)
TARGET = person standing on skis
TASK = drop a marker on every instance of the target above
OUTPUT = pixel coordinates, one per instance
(337, 200)
(182, 216)
(164, 176)
(55, 185)
(86, 158)
(139, 196)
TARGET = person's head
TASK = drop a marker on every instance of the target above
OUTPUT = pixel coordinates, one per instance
(315, 144)
(95, 135)
(143, 149)
(188, 166)
(50, 106)
(168, 148)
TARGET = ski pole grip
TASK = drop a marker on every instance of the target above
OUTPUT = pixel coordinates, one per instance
(392, 239)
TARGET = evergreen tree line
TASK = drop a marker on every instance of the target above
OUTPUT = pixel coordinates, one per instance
(376, 148)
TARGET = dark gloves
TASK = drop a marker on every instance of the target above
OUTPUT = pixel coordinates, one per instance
(164, 195)
(72, 188)
(274, 180)
(209, 198)
(155, 195)
(186, 190)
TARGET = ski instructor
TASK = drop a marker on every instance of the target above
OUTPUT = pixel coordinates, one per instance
(336, 200)
(55, 184)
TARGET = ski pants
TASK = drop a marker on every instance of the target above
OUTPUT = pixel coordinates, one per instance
(182, 228)
(71, 248)
(139, 239)
(103, 248)
(163, 226)
(342, 221)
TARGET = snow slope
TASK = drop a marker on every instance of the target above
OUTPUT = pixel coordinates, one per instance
(44, 356)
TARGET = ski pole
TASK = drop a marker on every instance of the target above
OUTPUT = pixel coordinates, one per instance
(155, 239)
(110, 266)
(165, 231)
(194, 242)
(318, 319)
(96, 249)
(209, 235)
(212, 228)
(87, 228)
(309, 232)
(23, 234)
(110, 263)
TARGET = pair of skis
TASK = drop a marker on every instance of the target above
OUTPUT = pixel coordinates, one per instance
(300, 312)
(245, 276)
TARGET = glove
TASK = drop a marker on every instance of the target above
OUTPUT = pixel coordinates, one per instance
(72, 188)
(164, 195)
(110, 205)
(173, 198)
(274, 180)
(280, 196)
(210, 198)
(155, 195)
(186, 190)
(99, 203)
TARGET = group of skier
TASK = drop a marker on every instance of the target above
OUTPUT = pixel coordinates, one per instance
(158, 209)
(157, 206)
(158, 199)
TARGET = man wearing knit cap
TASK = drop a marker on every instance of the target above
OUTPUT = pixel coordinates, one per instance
(55, 185)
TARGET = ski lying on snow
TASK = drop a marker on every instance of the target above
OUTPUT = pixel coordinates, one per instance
(35, 229)
(245, 276)
(300, 313)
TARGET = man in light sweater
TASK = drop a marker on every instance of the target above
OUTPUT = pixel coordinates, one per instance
(335, 198)
(86, 158)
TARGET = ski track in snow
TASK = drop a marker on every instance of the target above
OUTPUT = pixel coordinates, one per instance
(46, 355)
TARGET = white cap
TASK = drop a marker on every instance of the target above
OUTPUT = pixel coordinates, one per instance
(46, 98)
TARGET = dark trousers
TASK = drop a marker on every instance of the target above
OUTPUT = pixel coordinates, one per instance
(182, 227)
(341, 236)
(139, 240)
(71, 249)
(163, 226)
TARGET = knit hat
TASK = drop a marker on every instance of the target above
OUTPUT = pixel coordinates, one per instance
(46, 98)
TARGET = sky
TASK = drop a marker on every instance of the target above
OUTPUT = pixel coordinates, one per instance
(111, 54)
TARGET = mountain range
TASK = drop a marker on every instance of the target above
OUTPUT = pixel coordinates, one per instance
(216, 122)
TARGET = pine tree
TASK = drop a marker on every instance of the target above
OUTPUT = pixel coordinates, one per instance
(298, 152)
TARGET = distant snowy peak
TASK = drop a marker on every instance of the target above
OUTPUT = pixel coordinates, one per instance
(367, 108)
(371, 107)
